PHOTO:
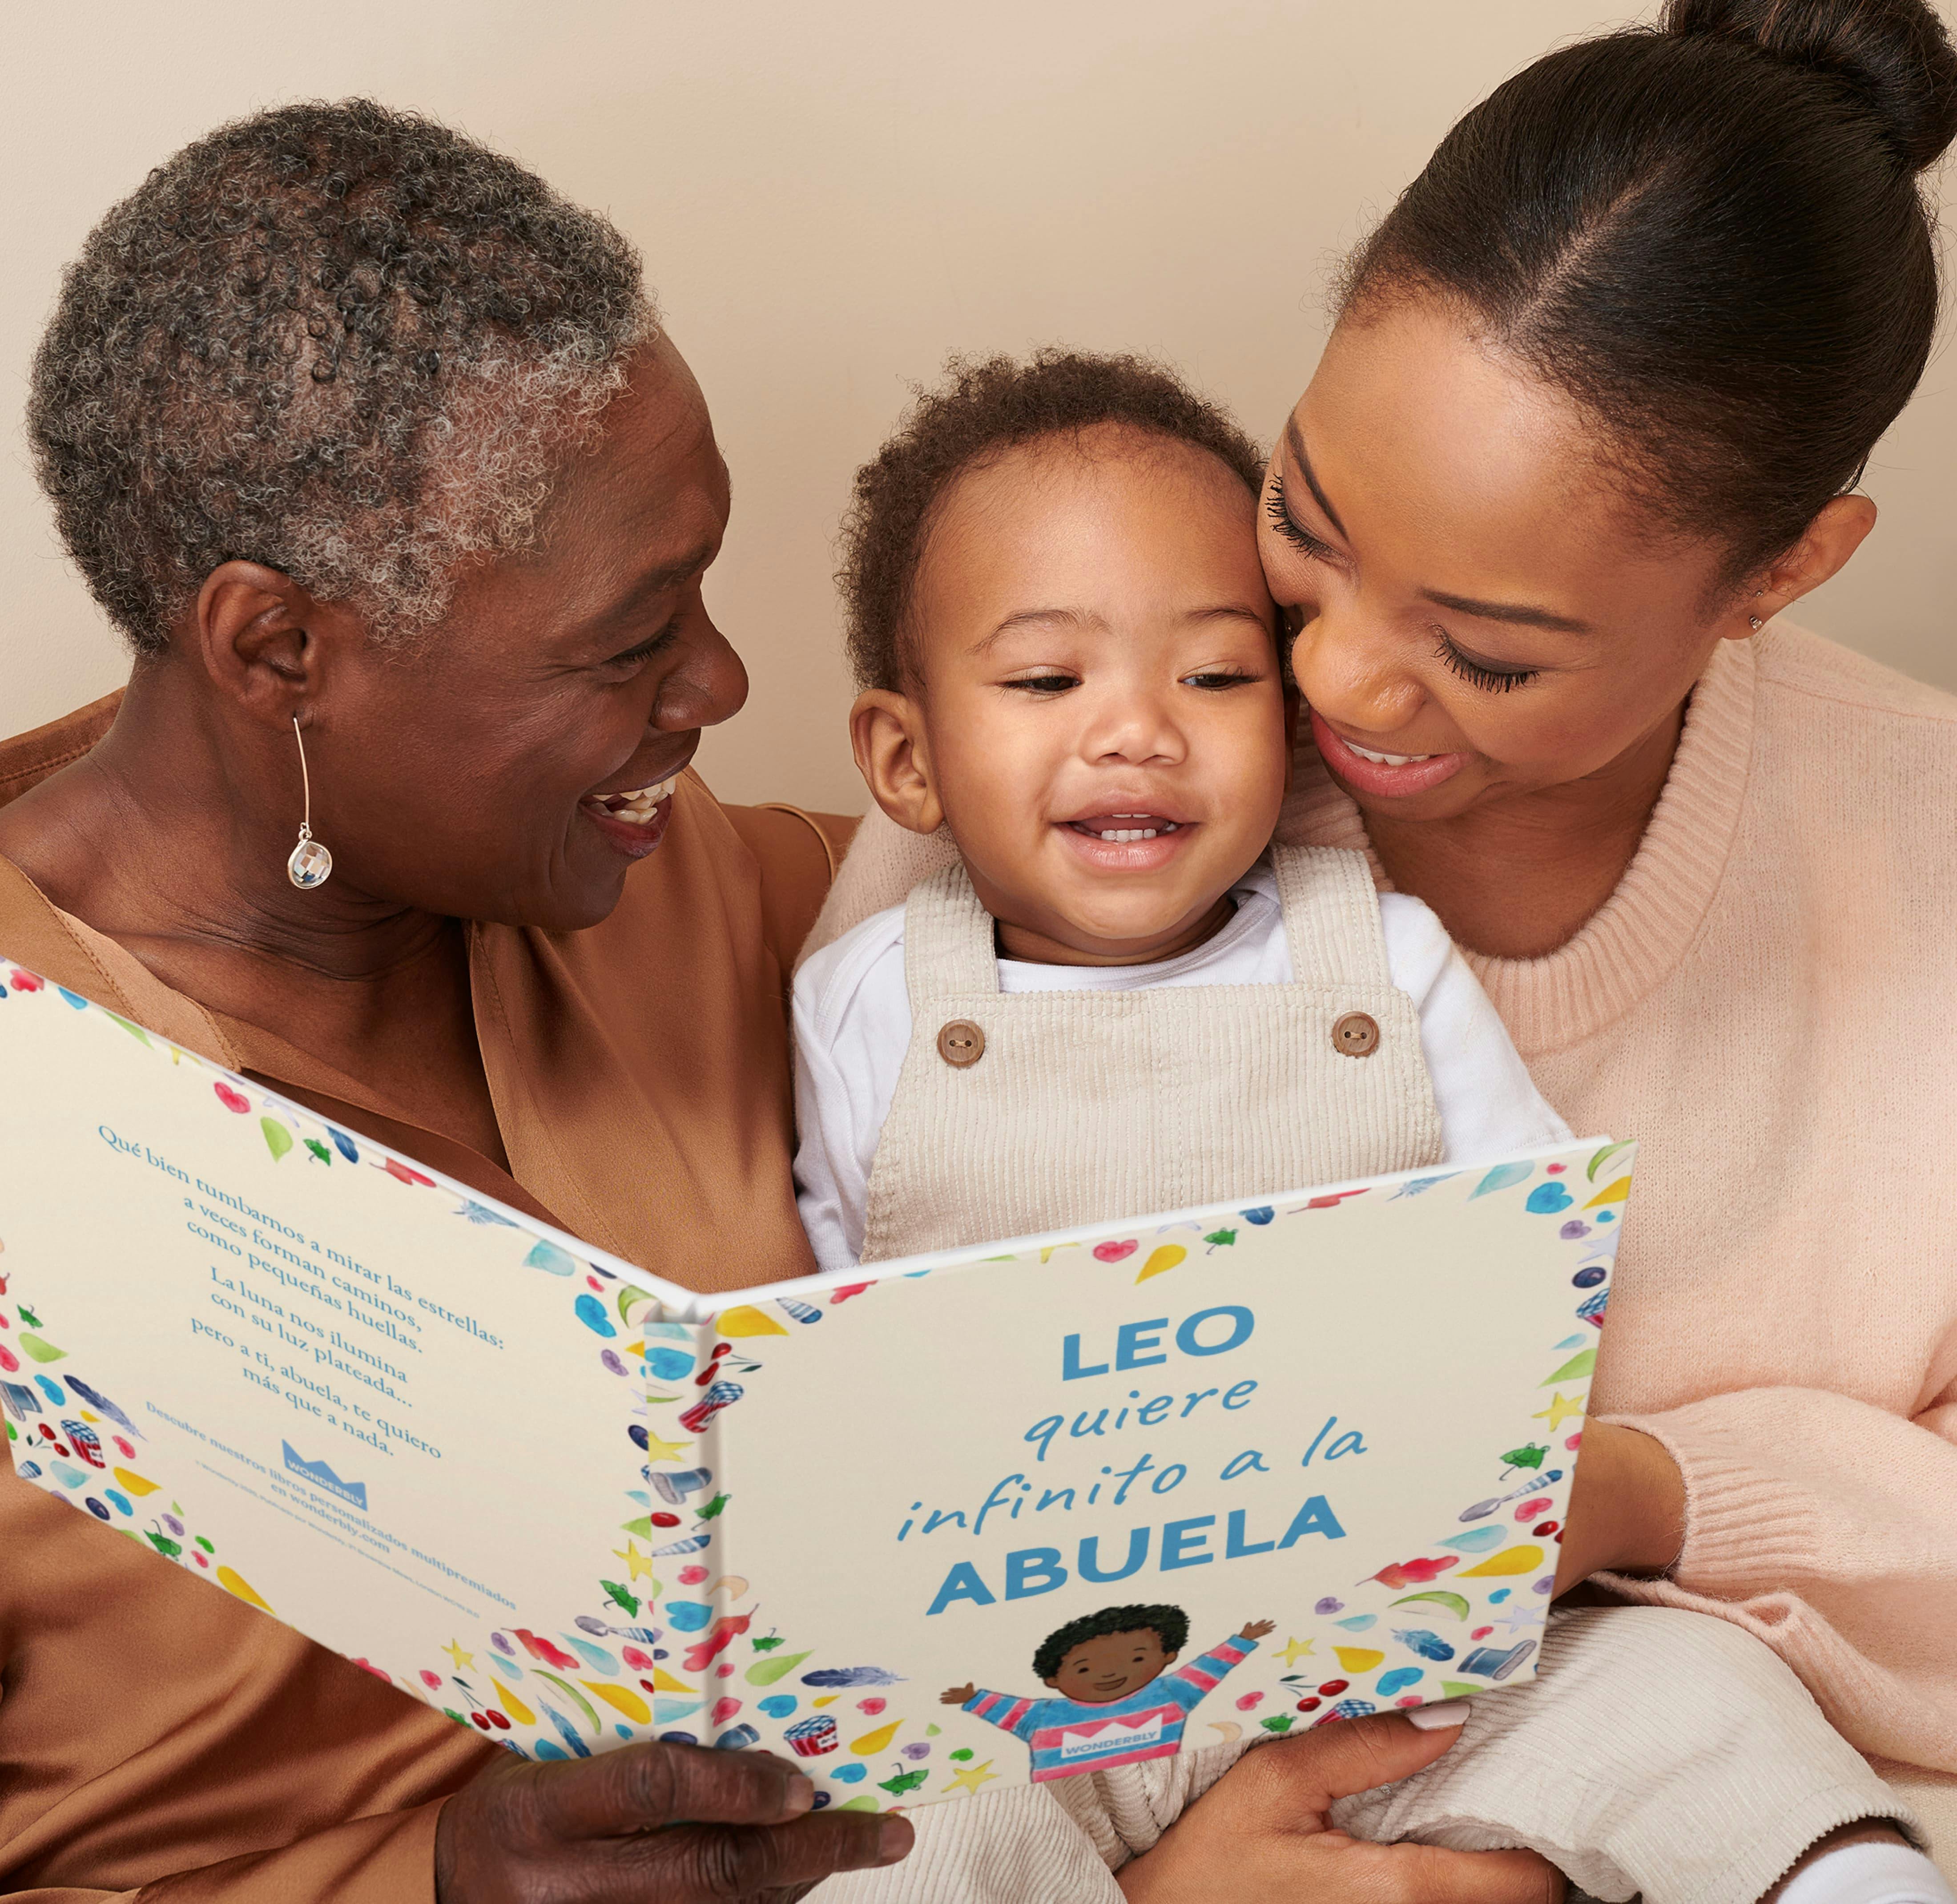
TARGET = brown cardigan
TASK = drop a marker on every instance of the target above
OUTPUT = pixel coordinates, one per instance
(154, 1728)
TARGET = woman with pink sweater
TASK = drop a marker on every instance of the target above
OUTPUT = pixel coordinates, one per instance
(1594, 415)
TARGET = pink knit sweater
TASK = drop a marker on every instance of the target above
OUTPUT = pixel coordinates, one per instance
(1769, 1003)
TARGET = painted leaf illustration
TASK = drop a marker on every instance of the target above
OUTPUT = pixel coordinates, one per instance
(1502, 1178)
(549, 1256)
(627, 1702)
(1574, 1370)
(584, 1704)
(1603, 1157)
(278, 1138)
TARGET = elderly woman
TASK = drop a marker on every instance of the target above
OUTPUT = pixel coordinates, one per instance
(372, 446)
(1594, 413)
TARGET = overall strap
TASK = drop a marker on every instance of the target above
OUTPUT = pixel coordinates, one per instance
(948, 950)
(1332, 916)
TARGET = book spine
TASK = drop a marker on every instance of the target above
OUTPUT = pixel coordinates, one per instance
(680, 1475)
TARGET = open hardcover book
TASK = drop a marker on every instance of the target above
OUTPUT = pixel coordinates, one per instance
(932, 1527)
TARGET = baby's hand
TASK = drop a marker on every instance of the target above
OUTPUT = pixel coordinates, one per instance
(1257, 1630)
(958, 1695)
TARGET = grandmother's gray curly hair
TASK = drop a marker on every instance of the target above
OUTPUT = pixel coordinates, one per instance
(344, 341)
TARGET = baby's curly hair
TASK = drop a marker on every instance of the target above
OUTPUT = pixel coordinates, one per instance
(342, 340)
(1170, 1625)
(982, 410)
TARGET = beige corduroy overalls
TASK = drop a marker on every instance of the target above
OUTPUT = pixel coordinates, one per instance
(1017, 1113)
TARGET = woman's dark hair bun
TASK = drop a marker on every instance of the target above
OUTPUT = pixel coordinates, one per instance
(1710, 234)
(1893, 56)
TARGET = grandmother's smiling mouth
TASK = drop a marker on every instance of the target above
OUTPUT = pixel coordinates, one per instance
(633, 821)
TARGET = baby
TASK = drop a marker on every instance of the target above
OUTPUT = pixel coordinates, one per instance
(1124, 997)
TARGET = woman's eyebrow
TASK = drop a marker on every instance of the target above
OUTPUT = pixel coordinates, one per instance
(1520, 613)
(1295, 442)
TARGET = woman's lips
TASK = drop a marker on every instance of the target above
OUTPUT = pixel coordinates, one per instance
(633, 822)
(1394, 776)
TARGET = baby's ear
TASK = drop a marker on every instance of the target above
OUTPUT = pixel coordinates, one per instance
(887, 734)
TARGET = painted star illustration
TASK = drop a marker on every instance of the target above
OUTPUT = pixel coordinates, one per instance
(641, 1563)
(1519, 1616)
(658, 1450)
(1292, 1651)
(1559, 1411)
(454, 1651)
(971, 1777)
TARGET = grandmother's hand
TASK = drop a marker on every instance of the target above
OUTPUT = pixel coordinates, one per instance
(1260, 1833)
(649, 1824)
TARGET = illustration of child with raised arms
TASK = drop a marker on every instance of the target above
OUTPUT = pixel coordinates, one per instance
(1115, 1701)
(1125, 997)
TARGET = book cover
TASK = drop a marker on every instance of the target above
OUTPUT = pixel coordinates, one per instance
(932, 1527)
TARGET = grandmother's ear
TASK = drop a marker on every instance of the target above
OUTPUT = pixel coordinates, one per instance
(256, 633)
(887, 737)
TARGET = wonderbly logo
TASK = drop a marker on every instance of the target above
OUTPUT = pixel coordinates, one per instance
(321, 1475)
(1136, 1734)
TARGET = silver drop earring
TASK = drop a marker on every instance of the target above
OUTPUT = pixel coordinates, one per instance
(311, 864)
(1754, 622)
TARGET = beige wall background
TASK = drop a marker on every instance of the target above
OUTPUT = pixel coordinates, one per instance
(830, 198)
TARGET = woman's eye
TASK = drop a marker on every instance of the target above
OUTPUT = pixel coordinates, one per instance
(646, 649)
(1050, 684)
(1288, 527)
(1488, 676)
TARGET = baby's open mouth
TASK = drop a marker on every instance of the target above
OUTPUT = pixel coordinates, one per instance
(635, 804)
(1119, 829)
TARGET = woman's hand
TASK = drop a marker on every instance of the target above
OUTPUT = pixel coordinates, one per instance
(649, 1824)
(1626, 1510)
(1261, 1833)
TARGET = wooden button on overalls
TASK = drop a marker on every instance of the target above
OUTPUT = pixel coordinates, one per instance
(961, 1043)
(1356, 1035)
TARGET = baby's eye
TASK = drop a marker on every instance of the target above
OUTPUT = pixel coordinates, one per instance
(1214, 679)
(1045, 684)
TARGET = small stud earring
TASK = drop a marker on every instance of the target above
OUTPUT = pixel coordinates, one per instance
(311, 864)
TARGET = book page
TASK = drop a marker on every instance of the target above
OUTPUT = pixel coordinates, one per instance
(1325, 1444)
(406, 1421)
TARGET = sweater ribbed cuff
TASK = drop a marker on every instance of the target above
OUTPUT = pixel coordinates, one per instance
(1743, 1527)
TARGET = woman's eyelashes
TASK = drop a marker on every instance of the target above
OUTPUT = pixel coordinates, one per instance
(1288, 527)
(1491, 677)
(630, 658)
